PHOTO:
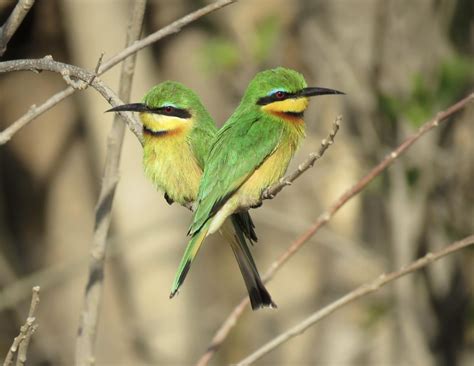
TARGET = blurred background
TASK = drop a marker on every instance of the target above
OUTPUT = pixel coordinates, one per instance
(399, 61)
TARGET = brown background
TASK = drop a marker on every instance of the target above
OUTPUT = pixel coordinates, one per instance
(399, 61)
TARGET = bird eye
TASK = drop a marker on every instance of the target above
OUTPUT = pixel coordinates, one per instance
(279, 95)
(168, 109)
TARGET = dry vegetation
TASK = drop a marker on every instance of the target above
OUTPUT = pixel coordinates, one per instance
(394, 187)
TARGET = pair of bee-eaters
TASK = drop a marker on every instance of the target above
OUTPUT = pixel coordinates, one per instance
(223, 172)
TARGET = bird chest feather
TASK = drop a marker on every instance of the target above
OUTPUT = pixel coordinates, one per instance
(274, 167)
(170, 164)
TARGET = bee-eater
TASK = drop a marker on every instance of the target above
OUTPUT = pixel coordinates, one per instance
(250, 153)
(177, 135)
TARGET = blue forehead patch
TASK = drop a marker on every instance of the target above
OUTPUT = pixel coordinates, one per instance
(168, 104)
(273, 91)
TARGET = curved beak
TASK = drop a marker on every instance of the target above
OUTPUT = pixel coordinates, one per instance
(311, 92)
(133, 107)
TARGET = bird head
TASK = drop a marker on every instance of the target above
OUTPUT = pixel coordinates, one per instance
(167, 108)
(282, 92)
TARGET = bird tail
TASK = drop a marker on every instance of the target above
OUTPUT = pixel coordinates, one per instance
(246, 225)
(258, 294)
(190, 253)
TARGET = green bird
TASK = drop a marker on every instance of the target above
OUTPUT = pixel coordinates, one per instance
(177, 135)
(250, 153)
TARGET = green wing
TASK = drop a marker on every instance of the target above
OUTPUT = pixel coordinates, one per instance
(200, 140)
(241, 146)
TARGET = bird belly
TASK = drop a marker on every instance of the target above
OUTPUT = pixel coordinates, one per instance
(249, 193)
(272, 169)
(170, 164)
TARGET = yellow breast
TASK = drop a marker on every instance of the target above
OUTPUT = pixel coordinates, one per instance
(169, 161)
(272, 169)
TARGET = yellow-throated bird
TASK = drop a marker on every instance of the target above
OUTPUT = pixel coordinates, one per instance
(177, 135)
(250, 153)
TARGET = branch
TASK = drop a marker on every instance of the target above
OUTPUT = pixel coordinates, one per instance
(13, 22)
(21, 342)
(287, 180)
(35, 111)
(231, 320)
(32, 113)
(359, 292)
(89, 319)
(174, 27)
(68, 72)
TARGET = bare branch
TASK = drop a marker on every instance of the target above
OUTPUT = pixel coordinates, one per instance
(174, 27)
(21, 342)
(32, 113)
(89, 319)
(73, 73)
(272, 191)
(233, 317)
(35, 111)
(96, 70)
(359, 292)
(13, 22)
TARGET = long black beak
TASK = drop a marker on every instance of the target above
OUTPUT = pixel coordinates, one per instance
(310, 92)
(133, 107)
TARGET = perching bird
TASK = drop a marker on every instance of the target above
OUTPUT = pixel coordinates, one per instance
(250, 153)
(177, 135)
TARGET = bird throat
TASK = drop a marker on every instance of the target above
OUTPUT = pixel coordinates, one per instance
(290, 116)
(291, 110)
(160, 126)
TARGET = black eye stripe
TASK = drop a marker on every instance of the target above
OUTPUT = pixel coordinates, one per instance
(171, 111)
(274, 98)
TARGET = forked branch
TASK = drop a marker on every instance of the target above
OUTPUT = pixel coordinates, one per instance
(21, 342)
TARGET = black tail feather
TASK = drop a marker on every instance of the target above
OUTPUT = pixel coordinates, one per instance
(258, 294)
(246, 225)
(260, 298)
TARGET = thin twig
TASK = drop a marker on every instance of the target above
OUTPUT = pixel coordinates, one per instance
(35, 111)
(21, 342)
(89, 319)
(13, 22)
(32, 113)
(359, 292)
(231, 320)
(272, 191)
(174, 27)
(73, 72)
(96, 70)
